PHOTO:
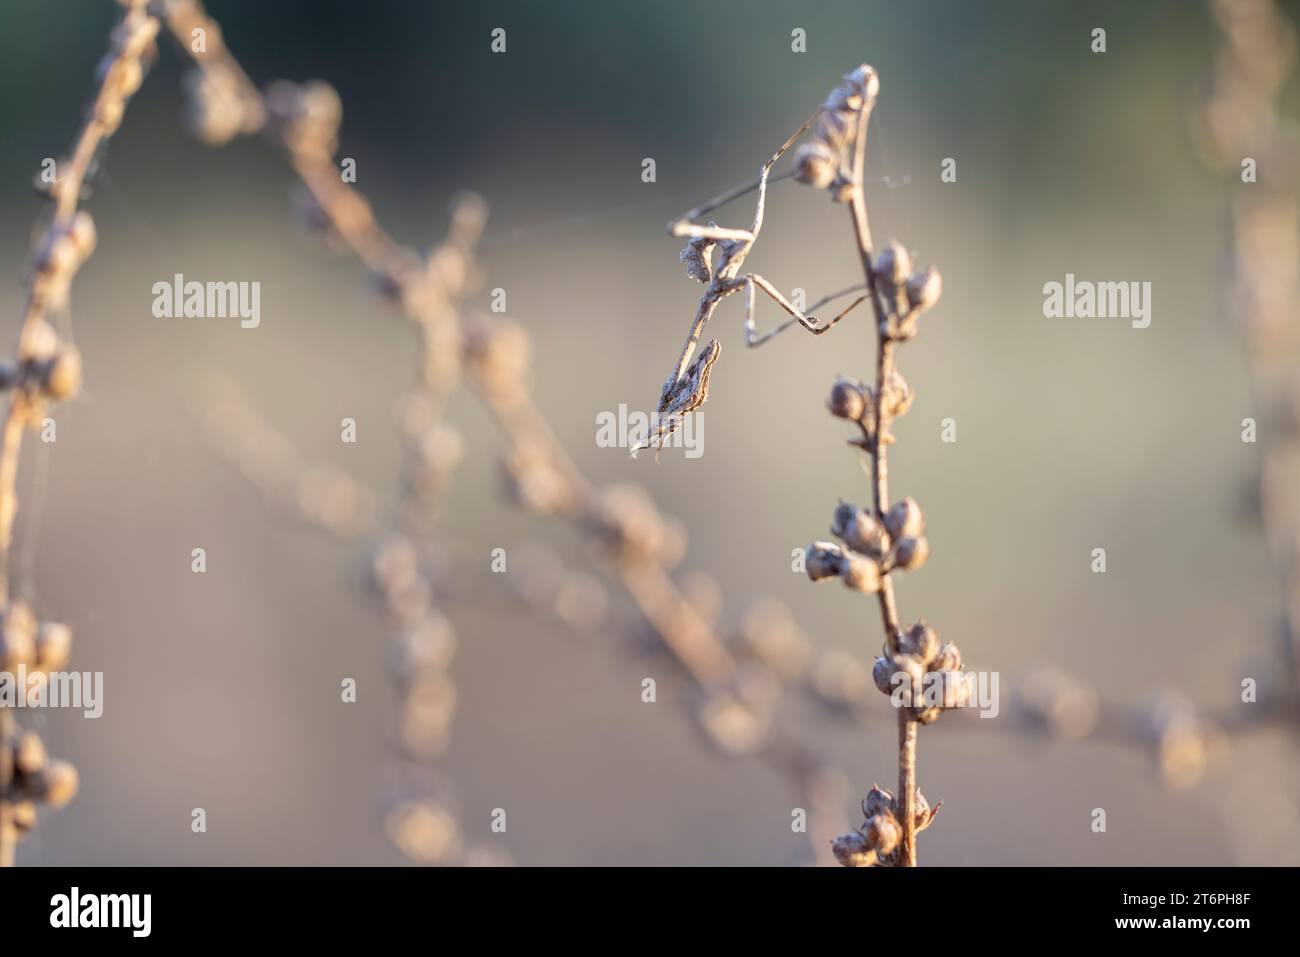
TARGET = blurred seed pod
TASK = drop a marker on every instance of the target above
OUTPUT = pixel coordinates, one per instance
(921, 641)
(769, 634)
(499, 355)
(947, 658)
(17, 636)
(428, 644)
(1184, 741)
(860, 573)
(834, 128)
(30, 756)
(853, 850)
(427, 712)
(883, 833)
(925, 288)
(815, 165)
(53, 646)
(882, 673)
(878, 801)
(56, 784)
(734, 726)
(24, 815)
(905, 519)
(912, 553)
(848, 399)
(840, 678)
(1065, 706)
(424, 831)
(893, 264)
(535, 481)
(823, 560)
(898, 396)
(860, 531)
(61, 378)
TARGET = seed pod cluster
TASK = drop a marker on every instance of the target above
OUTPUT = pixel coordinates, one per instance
(37, 780)
(904, 292)
(855, 402)
(822, 162)
(932, 671)
(39, 647)
(876, 840)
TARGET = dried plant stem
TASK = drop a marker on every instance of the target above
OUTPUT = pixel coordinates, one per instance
(138, 28)
(45, 369)
(878, 449)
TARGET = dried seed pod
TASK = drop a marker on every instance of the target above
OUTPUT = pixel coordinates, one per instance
(923, 814)
(864, 534)
(833, 128)
(24, 815)
(912, 553)
(894, 264)
(905, 519)
(845, 98)
(57, 783)
(883, 833)
(426, 645)
(861, 573)
(815, 165)
(53, 646)
(853, 850)
(40, 343)
(823, 560)
(732, 725)
(30, 756)
(920, 640)
(865, 78)
(424, 831)
(882, 673)
(913, 669)
(841, 517)
(81, 233)
(925, 288)
(927, 715)
(898, 396)
(948, 658)
(17, 636)
(951, 689)
(878, 801)
(61, 377)
(848, 399)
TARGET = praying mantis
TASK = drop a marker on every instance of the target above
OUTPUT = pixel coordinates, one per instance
(686, 387)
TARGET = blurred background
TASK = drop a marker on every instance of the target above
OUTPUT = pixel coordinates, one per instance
(222, 690)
